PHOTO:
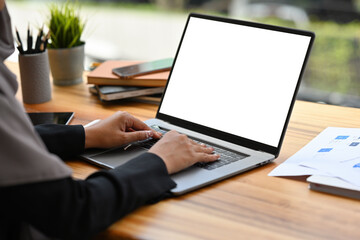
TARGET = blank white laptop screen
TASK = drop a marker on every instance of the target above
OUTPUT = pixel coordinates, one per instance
(236, 79)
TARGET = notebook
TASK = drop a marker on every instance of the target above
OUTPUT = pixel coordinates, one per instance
(110, 93)
(233, 85)
(333, 185)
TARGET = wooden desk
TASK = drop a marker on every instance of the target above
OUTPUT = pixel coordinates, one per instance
(248, 206)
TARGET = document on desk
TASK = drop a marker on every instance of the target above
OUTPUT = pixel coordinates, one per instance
(348, 171)
(334, 152)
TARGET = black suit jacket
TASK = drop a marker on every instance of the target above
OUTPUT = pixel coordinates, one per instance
(78, 209)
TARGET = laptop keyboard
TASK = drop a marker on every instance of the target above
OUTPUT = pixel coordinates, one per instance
(226, 156)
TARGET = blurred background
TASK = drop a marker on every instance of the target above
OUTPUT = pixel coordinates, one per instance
(151, 29)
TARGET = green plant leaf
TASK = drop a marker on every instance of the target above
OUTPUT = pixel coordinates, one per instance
(65, 25)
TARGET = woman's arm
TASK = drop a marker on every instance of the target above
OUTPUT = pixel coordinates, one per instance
(71, 140)
(62, 140)
(73, 209)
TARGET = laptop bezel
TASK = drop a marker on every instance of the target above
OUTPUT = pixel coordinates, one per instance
(258, 146)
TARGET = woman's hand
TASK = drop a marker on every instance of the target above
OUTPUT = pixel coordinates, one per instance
(119, 129)
(176, 150)
(179, 152)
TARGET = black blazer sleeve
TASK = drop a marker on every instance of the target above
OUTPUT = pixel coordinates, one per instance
(74, 209)
(63, 140)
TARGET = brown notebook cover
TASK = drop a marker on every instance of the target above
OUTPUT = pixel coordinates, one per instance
(102, 75)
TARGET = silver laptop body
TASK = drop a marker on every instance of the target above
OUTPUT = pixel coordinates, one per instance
(233, 85)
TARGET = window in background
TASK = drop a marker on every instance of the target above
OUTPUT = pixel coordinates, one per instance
(333, 71)
(151, 29)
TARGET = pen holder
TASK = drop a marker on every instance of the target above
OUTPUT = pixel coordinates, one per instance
(35, 77)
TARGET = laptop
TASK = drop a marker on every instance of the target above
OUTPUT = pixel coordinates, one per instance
(232, 86)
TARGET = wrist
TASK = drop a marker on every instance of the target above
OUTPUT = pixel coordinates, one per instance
(167, 164)
(90, 138)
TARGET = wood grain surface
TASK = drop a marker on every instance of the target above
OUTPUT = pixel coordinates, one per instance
(248, 206)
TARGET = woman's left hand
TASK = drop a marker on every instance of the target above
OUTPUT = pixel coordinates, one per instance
(119, 129)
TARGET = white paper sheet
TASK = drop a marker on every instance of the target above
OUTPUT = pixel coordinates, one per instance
(292, 167)
(333, 152)
(348, 171)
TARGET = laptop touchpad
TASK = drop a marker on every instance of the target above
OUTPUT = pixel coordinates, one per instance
(118, 156)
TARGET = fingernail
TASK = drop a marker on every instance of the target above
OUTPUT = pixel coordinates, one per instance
(216, 155)
(149, 134)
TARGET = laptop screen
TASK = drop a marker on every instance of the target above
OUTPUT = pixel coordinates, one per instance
(236, 78)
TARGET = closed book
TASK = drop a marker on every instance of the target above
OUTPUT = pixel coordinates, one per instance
(111, 93)
(103, 75)
(155, 98)
(334, 185)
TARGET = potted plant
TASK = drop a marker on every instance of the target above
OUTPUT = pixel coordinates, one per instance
(66, 49)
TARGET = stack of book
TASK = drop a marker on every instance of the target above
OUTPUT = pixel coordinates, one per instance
(109, 86)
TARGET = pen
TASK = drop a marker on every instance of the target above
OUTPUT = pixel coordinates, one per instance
(125, 148)
(28, 40)
(38, 41)
(46, 39)
(19, 47)
(92, 123)
(41, 48)
(31, 41)
(18, 37)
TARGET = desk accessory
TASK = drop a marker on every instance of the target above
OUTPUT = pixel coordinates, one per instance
(102, 75)
(34, 68)
(40, 43)
(35, 77)
(66, 50)
(92, 123)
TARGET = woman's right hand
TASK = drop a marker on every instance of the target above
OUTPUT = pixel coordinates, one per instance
(179, 152)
